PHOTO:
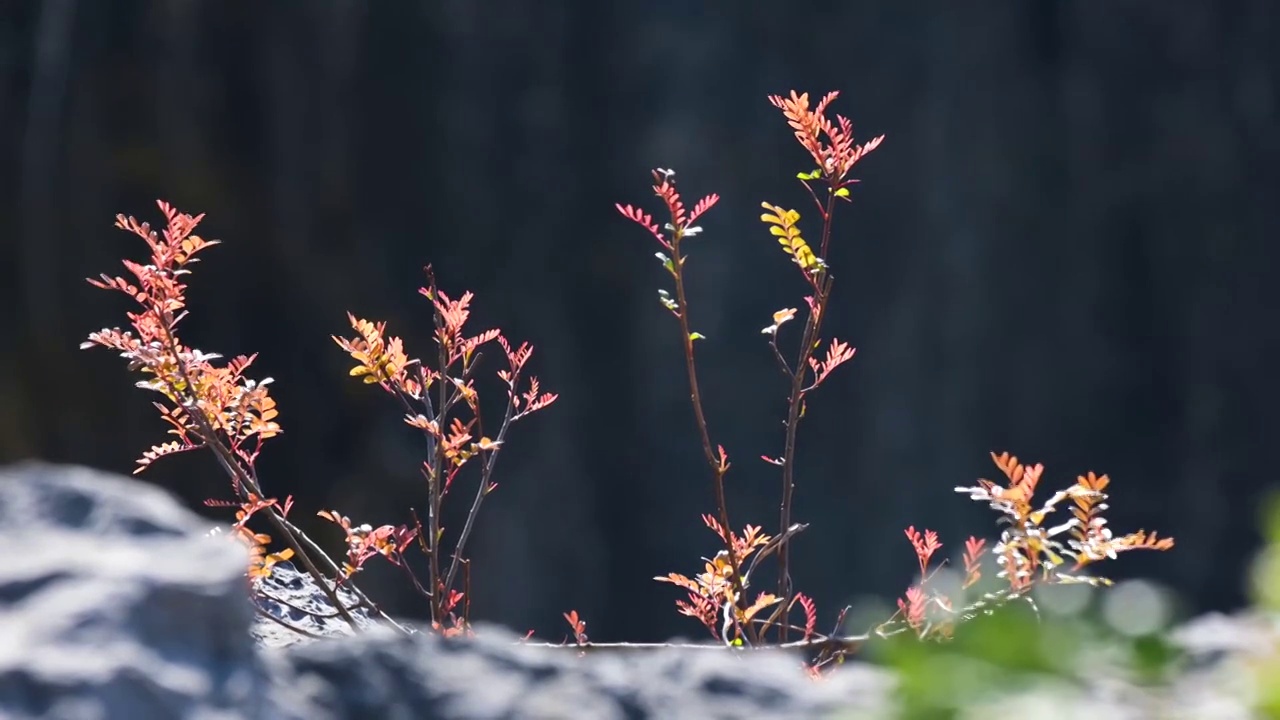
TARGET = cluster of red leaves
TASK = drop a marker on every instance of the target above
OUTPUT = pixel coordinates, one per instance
(260, 560)
(681, 225)
(203, 398)
(578, 626)
(365, 541)
(381, 360)
(832, 147)
(1028, 553)
(1028, 548)
(206, 405)
(713, 594)
(837, 154)
(916, 606)
(713, 591)
(442, 402)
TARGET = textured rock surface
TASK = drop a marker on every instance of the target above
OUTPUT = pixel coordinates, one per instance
(111, 597)
(285, 594)
(115, 603)
(396, 676)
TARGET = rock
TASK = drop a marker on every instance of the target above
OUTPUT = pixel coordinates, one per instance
(385, 674)
(291, 595)
(390, 675)
(118, 604)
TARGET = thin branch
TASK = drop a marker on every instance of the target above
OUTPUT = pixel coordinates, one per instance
(772, 547)
(302, 610)
(482, 490)
(435, 473)
(817, 314)
(842, 643)
(287, 625)
(717, 481)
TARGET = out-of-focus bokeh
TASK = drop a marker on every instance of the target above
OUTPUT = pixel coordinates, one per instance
(1065, 248)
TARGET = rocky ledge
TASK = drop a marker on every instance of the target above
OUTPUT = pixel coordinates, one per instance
(118, 604)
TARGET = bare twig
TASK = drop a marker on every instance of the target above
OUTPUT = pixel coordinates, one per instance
(287, 625)
(795, 403)
(718, 468)
(302, 610)
(843, 643)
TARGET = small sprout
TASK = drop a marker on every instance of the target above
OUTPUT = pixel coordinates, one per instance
(665, 298)
(780, 317)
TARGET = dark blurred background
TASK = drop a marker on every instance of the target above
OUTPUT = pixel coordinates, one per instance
(1063, 249)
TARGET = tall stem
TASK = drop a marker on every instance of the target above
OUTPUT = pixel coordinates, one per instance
(817, 314)
(435, 478)
(483, 490)
(695, 396)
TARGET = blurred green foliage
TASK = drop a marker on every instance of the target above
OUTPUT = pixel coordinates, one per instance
(1018, 652)
(1020, 660)
(1265, 583)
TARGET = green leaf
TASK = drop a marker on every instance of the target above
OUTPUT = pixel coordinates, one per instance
(697, 336)
(842, 192)
(989, 655)
(1154, 656)
(665, 298)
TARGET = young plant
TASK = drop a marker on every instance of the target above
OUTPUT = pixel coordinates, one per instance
(1028, 553)
(442, 402)
(206, 405)
(218, 408)
(713, 594)
(832, 148)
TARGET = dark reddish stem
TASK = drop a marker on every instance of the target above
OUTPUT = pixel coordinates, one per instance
(822, 292)
(708, 449)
